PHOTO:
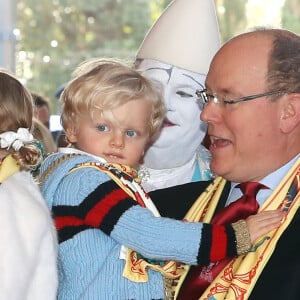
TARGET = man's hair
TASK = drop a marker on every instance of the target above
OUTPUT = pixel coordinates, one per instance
(284, 62)
(99, 85)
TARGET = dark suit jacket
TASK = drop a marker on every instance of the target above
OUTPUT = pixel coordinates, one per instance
(280, 279)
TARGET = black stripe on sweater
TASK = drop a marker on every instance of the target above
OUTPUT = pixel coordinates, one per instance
(101, 209)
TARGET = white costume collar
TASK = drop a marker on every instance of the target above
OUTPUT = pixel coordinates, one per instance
(164, 178)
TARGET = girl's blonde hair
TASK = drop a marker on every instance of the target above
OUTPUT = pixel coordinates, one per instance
(100, 84)
(16, 111)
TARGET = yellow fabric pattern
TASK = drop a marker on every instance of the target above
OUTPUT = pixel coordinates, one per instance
(201, 211)
(8, 167)
(237, 279)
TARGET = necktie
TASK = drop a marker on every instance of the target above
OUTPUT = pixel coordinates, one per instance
(200, 277)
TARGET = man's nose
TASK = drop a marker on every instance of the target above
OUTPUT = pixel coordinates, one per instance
(209, 112)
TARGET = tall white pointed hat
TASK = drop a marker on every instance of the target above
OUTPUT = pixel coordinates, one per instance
(186, 35)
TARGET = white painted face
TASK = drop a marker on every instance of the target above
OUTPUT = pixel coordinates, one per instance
(183, 131)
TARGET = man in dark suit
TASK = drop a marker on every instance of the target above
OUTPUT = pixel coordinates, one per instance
(252, 108)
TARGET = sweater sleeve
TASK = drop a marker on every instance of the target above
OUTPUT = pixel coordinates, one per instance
(111, 210)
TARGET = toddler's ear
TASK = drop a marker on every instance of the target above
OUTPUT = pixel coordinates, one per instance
(290, 117)
(71, 135)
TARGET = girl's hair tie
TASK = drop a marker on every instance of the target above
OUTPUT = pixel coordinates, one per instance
(16, 140)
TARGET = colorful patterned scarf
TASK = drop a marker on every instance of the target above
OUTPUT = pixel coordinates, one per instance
(237, 279)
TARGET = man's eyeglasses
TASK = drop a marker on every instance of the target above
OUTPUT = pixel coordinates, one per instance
(204, 97)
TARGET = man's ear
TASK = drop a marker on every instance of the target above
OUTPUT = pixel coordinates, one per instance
(290, 116)
(71, 134)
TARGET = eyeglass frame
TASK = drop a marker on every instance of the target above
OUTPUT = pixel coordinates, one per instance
(205, 98)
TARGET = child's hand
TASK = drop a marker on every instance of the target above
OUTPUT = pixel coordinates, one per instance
(263, 222)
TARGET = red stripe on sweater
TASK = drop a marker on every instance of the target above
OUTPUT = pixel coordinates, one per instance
(218, 243)
(95, 216)
(61, 222)
(102, 208)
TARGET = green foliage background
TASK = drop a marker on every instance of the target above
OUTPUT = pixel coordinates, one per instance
(81, 29)
(56, 35)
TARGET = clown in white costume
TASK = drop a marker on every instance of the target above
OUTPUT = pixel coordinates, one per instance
(177, 52)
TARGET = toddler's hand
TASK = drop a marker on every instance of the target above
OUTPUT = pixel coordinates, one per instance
(263, 222)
